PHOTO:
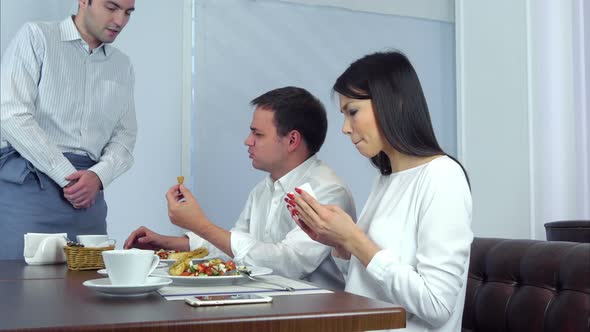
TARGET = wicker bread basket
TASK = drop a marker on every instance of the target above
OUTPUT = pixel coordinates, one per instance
(82, 258)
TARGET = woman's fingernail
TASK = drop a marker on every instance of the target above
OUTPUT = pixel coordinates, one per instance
(298, 190)
(291, 196)
(289, 207)
(292, 202)
(286, 200)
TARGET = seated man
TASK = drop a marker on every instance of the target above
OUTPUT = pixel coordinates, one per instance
(288, 128)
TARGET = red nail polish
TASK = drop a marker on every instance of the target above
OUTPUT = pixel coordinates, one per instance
(286, 200)
(292, 202)
(298, 190)
(291, 196)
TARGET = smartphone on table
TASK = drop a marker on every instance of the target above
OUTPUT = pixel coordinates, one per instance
(203, 300)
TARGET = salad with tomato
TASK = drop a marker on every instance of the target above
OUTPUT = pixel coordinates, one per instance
(212, 267)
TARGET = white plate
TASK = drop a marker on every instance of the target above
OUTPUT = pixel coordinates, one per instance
(195, 261)
(167, 261)
(103, 285)
(212, 280)
(104, 272)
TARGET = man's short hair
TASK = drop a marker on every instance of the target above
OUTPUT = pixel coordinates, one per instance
(296, 109)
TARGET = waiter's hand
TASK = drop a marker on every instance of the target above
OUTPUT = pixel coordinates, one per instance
(82, 190)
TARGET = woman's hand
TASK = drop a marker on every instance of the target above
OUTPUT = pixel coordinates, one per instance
(330, 225)
(327, 224)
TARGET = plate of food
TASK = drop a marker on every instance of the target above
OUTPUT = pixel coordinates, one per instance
(171, 256)
(209, 272)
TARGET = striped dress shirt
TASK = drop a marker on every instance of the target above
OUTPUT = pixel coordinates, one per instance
(59, 96)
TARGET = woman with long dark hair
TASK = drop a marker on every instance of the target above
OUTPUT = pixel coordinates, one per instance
(412, 241)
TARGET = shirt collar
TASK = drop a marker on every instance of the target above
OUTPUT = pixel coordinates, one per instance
(69, 32)
(288, 181)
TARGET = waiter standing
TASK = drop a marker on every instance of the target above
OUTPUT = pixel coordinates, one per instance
(67, 122)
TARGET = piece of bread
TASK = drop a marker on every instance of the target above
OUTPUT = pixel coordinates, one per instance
(183, 261)
(177, 255)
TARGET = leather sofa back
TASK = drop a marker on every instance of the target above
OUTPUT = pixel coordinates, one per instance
(528, 285)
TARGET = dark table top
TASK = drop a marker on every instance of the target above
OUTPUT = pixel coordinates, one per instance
(51, 297)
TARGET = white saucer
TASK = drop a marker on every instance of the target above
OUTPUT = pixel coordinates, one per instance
(103, 285)
(104, 272)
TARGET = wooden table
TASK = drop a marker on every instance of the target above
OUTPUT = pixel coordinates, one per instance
(50, 298)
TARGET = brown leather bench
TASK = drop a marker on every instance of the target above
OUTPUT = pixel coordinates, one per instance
(528, 285)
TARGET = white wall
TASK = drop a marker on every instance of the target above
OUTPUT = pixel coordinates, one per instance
(228, 78)
(245, 48)
(586, 24)
(523, 130)
(493, 104)
(495, 101)
(15, 13)
(153, 40)
(440, 10)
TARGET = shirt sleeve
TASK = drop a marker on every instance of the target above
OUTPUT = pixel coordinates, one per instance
(342, 265)
(196, 241)
(240, 240)
(117, 155)
(297, 255)
(431, 289)
(20, 74)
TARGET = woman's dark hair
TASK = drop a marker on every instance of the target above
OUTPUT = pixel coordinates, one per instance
(296, 109)
(390, 81)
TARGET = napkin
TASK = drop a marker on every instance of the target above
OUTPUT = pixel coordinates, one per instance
(44, 248)
(102, 244)
(307, 188)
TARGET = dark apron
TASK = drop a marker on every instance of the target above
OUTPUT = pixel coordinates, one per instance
(31, 202)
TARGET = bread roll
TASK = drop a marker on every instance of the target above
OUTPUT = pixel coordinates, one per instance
(184, 258)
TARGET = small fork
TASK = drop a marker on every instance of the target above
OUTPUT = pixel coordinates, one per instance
(247, 274)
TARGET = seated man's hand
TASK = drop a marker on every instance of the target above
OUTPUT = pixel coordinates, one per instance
(82, 190)
(341, 253)
(144, 238)
(184, 210)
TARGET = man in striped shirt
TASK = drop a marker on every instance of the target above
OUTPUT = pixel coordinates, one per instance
(67, 121)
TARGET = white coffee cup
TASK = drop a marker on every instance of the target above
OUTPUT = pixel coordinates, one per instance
(94, 241)
(130, 267)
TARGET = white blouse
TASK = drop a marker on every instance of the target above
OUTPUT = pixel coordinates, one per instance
(421, 219)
